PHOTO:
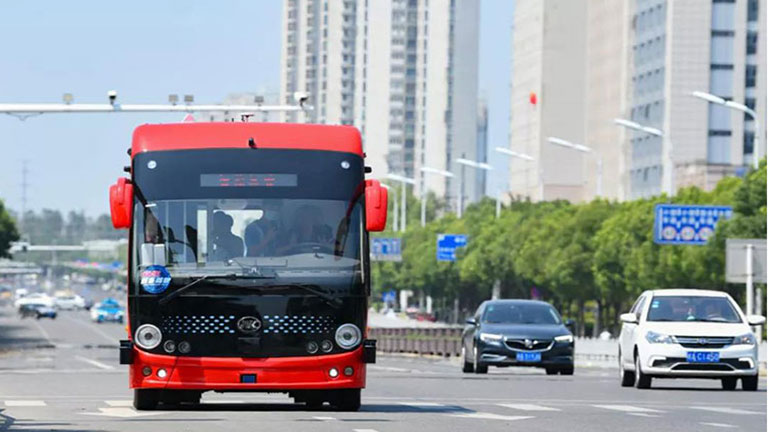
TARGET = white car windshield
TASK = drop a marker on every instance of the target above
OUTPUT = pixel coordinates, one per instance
(692, 308)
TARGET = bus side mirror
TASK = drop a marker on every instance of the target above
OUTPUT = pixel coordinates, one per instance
(121, 203)
(375, 206)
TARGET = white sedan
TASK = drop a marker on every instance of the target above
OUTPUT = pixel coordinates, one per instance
(35, 298)
(686, 333)
(70, 302)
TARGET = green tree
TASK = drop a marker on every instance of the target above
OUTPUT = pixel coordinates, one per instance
(8, 232)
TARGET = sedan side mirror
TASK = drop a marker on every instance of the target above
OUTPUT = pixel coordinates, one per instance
(471, 321)
(628, 318)
(569, 323)
(755, 320)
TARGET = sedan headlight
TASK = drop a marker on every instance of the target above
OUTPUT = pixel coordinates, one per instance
(348, 336)
(654, 337)
(564, 338)
(745, 339)
(148, 336)
(490, 337)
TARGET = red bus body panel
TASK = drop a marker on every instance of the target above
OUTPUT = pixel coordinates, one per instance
(189, 136)
(223, 373)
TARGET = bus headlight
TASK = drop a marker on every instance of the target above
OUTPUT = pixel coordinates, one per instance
(348, 336)
(148, 336)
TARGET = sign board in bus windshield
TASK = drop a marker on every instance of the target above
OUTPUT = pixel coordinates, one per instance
(248, 180)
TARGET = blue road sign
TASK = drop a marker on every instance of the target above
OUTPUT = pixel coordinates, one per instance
(687, 224)
(386, 249)
(447, 245)
(389, 296)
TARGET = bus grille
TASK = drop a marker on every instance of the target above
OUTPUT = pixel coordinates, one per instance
(298, 324)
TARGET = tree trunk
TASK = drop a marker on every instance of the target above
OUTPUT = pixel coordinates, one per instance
(581, 318)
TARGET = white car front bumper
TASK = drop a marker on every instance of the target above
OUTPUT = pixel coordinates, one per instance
(670, 360)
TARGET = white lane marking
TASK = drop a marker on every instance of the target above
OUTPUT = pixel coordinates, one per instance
(324, 418)
(92, 327)
(720, 425)
(96, 363)
(423, 404)
(24, 403)
(490, 416)
(119, 403)
(44, 333)
(528, 407)
(641, 414)
(725, 410)
(365, 430)
(627, 408)
(121, 412)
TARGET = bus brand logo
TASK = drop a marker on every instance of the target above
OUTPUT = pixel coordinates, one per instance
(155, 279)
(249, 324)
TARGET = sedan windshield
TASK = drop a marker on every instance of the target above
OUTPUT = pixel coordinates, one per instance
(690, 308)
(520, 313)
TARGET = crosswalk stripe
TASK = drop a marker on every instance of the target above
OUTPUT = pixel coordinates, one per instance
(119, 403)
(490, 416)
(528, 407)
(725, 410)
(24, 403)
(365, 430)
(627, 408)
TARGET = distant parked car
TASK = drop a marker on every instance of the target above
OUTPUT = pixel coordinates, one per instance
(35, 298)
(69, 302)
(686, 333)
(31, 310)
(107, 310)
(517, 333)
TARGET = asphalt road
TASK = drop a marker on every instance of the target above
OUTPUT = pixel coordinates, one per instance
(64, 375)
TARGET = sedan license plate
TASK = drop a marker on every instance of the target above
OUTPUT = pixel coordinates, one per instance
(702, 357)
(528, 357)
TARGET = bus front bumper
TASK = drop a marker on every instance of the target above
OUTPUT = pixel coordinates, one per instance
(247, 374)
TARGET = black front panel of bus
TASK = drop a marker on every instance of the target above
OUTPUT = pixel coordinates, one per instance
(210, 323)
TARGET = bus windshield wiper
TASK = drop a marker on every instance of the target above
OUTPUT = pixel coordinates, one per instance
(312, 289)
(230, 276)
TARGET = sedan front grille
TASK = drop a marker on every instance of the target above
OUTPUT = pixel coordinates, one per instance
(528, 344)
(704, 341)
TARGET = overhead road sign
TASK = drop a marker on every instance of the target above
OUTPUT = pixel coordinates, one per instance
(687, 224)
(447, 245)
(386, 249)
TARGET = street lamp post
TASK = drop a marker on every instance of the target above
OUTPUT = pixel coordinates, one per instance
(428, 170)
(404, 181)
(709, 97)
(514, 154)
(395, 222)
(471, 164)
(584, 149)
(669, 184)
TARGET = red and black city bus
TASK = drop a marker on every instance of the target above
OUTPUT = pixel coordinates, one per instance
(248, 264)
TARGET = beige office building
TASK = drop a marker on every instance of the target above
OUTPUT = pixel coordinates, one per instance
(403, 71)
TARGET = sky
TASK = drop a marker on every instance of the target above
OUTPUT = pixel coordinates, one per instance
(146, 50)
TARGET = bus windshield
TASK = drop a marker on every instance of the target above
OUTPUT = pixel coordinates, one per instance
(225, 236)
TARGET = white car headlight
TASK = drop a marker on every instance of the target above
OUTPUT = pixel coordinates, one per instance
(348, 336)
(745, 339)
(564, 338)
(148, 336)
(654, 337)
(490, 337)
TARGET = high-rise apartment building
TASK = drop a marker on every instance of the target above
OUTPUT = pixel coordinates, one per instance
(683, 46)
(547, 98)
(403, 71)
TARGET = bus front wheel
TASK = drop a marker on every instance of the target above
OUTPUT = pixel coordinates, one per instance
(348, 400)
(145, 399)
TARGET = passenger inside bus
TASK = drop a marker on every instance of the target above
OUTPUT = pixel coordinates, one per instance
(225, 244)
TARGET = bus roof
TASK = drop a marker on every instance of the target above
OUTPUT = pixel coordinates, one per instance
(300, 136)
